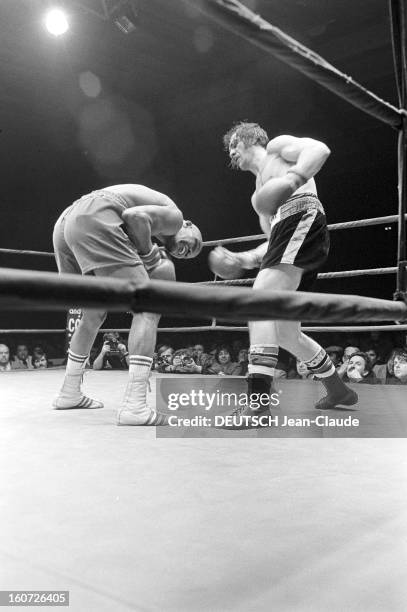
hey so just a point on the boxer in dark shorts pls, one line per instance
(110, 232)
(299, 236)
(292, 217)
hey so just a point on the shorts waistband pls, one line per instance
(298, 203)
(107, 195)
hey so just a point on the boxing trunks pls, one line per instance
(299, 236)
(90, 234)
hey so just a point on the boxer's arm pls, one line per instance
(252, 259)
(152, 214)
(307, 157)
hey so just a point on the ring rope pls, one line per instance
(209, 243)
(236, 17)
(25, 252)
(331, 227)
(243, 282)
(202, 328)
(51, 291)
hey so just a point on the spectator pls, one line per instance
(358, 370)
(302, 371)
(243, 360)
(183, 363)
(372, 356)
(38, 351)
(399, 368)
(201, 358)
(381, 343)
(114, 354)
(22, 359)
(223, 363)
(335, 354)
(379, 369)
(40, 360)
(163, 358)
(5, 364)
(347, 353)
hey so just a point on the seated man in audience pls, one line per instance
(163, 358)
(40, 360)
(335, 354)
(347, 353)
(5, 364)
(359, 370)
(22, 359)
(114, 354)
(379, 369)
(399, 368)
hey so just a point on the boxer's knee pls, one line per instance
(93, 318)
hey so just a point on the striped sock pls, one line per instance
(135, 395)
(263, 359)
(321, 365)
(75, 363)
(73, 375)
(140, 366)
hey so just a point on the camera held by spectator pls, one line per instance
(113, 355)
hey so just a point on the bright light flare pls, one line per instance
(56, 22)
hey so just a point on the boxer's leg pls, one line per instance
(264, 338)
(142, 339)
(70, 395)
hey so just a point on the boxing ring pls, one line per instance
(129, 521)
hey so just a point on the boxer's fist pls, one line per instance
(164, 271)
(151, 259)
(275, 192)
(224, 263)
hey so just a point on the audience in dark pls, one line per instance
(369, 358)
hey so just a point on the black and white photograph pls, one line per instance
(203, 305)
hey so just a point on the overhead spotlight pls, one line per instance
(56, 22)
(125, 16)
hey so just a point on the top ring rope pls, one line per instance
(331, 227)
(236, 17)
(51, 291)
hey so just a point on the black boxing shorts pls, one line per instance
(299, 236)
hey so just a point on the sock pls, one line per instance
(263, 359)
(139, 366)
(73, 375)
(324, 370)
(321, 365)
(135, 395)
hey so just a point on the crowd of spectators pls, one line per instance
(22, 358)
(372, 358)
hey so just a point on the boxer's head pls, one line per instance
(186, 243)
(248, 134)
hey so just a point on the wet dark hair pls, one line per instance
(249, 133)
